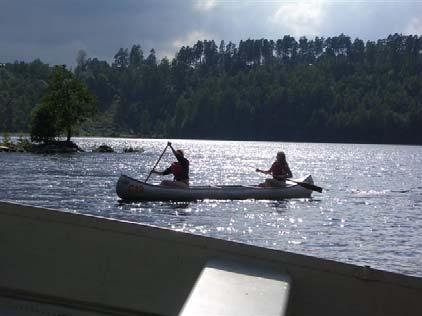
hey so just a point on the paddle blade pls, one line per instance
(308, 186)
(311, 187)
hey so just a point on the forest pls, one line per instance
(334, 89)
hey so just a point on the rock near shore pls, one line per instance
(104, 149)
(56, 147)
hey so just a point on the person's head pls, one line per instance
(180, 153)
(281, 156)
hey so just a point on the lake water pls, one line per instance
(370, 212)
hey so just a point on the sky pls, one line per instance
(55, 30)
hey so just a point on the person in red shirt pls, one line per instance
(179, 169)
(280, 171)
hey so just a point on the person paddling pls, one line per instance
(280, 171)
(179, 169)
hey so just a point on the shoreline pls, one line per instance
(227, 140)
(233, 139)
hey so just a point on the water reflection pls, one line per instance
(146, 204)
(280, 206)
(179, 205)
(156, 213)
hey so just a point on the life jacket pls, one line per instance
(176, 169)
(278, 169)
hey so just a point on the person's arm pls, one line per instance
(162, 173)
(289, 172)
(269, 171)
(182, 160)
(172, 149)
(263, 171)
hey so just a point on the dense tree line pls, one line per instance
(21, 88)
(324, 89)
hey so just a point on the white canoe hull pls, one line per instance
(130, 189)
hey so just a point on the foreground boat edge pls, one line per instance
(110, 266)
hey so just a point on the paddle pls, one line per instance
(153, 168)
(303, 184)
(307, 185)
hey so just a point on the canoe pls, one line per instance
(130, 189)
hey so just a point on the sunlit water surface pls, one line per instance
(369, 214)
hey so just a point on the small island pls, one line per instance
(66, 103)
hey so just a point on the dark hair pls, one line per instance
(282, 156)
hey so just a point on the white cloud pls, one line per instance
(414, 27)
(205, 5)
(191, 39)
(300, 18)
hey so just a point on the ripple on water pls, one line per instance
(369, 212)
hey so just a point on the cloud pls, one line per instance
(414, 27)
(190, 39)
(54, 30)
(300, 18)
(205, 5)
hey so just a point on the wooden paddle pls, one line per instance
(303, 184)
(153, 168)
